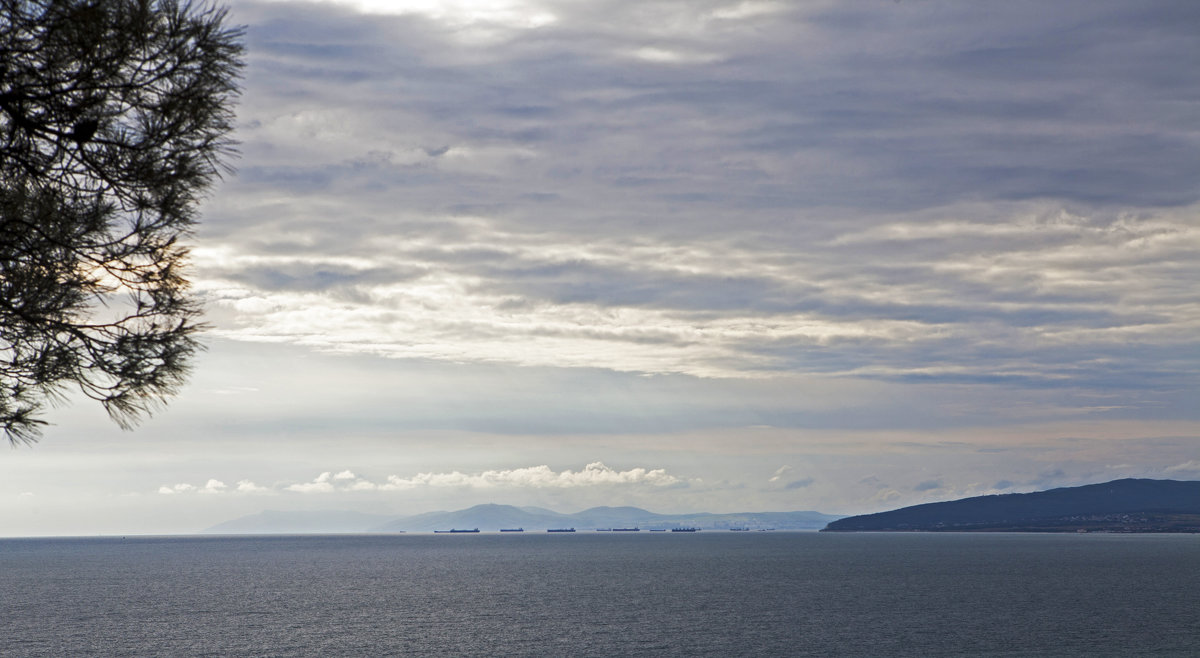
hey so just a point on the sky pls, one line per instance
(689, 256)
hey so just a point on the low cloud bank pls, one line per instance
(531, 477)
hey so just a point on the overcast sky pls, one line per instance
(689, 256)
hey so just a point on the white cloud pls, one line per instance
(780, 472)
(213, 487)
(319, 484)
(534, 477)
(594, 474)
(1190, 466)
(177, 489)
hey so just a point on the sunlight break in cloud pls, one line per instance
(508, 13)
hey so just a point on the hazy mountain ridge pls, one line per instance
(493, 517)
(1128, 505)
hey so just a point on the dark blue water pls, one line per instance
(718, 594)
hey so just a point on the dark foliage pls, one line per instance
(115, 117)
(1133, 504)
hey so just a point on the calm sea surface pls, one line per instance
(587, 594)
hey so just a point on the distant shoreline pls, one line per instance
(1129, 506)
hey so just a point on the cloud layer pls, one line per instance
(900, 192)
(532, 477)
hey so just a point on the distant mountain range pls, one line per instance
(1129, 505)
(492, 518)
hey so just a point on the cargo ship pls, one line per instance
(626, 529)
(561, 530)
(454, 531)
(685, 529)
(512, 529)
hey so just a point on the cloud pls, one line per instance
(784, 471)
(213, 487)
(539, 477)
(533, 477)
(323, 483)
(885, 495)
(348, 481)
(246, 486)
(666, 188)
(736, 313)
(929, 485)
(328, 482)
(177, 489)
(1190, 466)
(874, 482)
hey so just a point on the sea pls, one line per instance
(603, 594)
